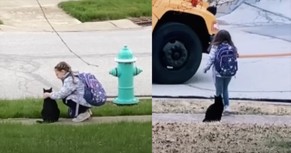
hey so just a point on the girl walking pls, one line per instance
(221, 81)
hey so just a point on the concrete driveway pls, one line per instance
(26, 15)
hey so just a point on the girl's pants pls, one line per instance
(73, 108)
(221, 85)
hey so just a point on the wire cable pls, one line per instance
(67, 46)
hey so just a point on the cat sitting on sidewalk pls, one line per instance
(50, 112)
(214, 111)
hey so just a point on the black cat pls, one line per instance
(50, 111)
(214, 111)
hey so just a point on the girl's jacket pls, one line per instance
(71, 90)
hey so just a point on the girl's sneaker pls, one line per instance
(227, 109)
(82, 117)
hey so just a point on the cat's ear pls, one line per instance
(43, 89)
(51, 89)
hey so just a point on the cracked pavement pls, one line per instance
(27, 59)
(29, 49)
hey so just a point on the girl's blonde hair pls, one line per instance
(66, 67)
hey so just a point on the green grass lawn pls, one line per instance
(102, 138)
(99, 10)
(31, 108)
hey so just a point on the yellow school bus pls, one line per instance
(182, 31)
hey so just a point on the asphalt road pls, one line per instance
(27, 59)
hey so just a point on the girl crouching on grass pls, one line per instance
(71, 92)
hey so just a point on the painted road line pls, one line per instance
(264, 55)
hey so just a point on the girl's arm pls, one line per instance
(211, 58)
(68, 88)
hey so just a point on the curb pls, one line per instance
(92, 120)
(81, 27)
(234, 98)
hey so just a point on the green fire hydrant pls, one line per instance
(125, 72)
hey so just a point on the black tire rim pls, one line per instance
(174, 55)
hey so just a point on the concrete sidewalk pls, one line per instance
(26, 15)
(93, 120)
